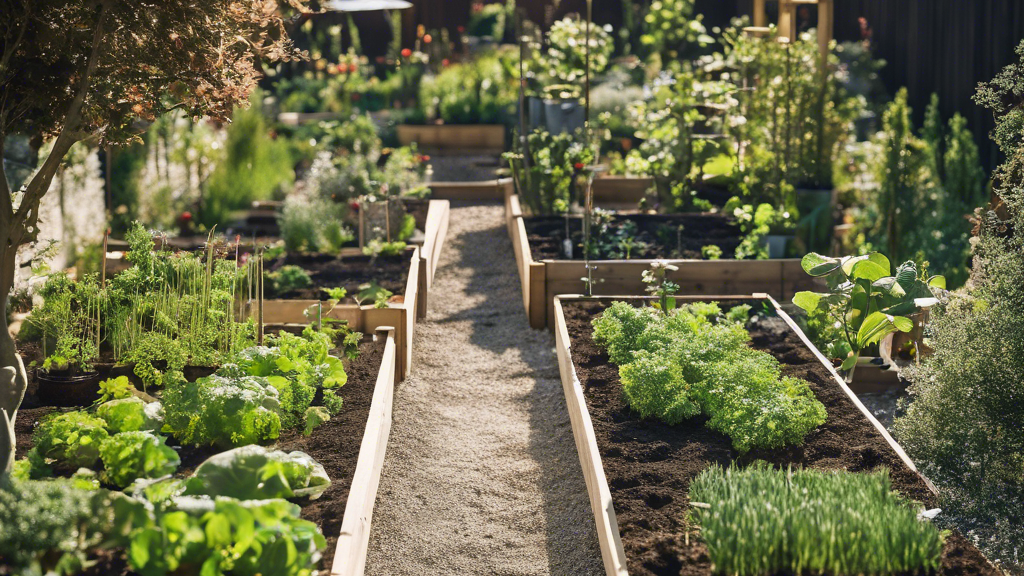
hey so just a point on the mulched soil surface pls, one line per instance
(649, 464)
(334, 444)
(660, 232)
(345, 272)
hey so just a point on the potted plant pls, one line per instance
(68, 321)
(563, 69)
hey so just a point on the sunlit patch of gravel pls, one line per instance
(481, 474)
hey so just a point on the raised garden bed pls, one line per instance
(620, 192)
(497, 189)
(400, 275)
(638, 471)
(351, 447)
(454, 138)
(544, 277)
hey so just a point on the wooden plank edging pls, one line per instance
(436, 230)
(496, 189)
(601, 503)
(350, 554)
(612, 554)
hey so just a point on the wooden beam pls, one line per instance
(350, 554)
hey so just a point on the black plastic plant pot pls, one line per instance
(66, 389)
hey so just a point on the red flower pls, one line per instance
(406, 52)
(461, 29)
(186, 216)
(381, 59)
(445, 62)
(424, 158)
(354, 206)
(578, 165)
(427, 39)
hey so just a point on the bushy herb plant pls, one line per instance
(547, 169)
(130, 415)
(314, 224)
(51, 527)
(759, 520)
(481, 91)
(689, 360)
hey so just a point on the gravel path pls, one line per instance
(481, 474)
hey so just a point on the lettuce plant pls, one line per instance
(255, 473)
(131, 414)
(129, 456)
(297, 367)
(70, 440)
(222, 411)
(226, 536)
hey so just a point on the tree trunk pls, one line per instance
(13, 380)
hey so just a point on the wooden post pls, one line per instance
(787, 19)
(760, 17)
(826, 19)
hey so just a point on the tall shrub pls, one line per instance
(965, 426)
(255, 167)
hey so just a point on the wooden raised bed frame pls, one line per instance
(620, 192)
(544, 280)
(365, 319)
(498, 189)
(350, 554)
(454, 138)
(612, 553)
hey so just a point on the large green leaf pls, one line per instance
(817, 265)
(868, 270)
(807, 300)
(906, 275)
(878, 325)
(881, 260)
(937, 282)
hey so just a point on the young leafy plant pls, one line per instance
(255, 473)
(865, 300)
(128, 456)
(222, 411)
(70, 440)
(131, 415)
(692, 359)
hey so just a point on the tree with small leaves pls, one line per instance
(99, 70)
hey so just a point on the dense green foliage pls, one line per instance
(48, 527)
(297, 367)
(255, 167)
(222, 411)
(693, 360)
(255, 473)
(965, 425)
(547, 169)
(130, 415)
(70, 440)
(482, 91)
(128, 456)
(766, 521)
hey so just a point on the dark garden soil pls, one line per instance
(649, 464)
(657, 236)
(334, 444)
(348, 272)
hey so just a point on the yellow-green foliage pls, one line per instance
(693, 360)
